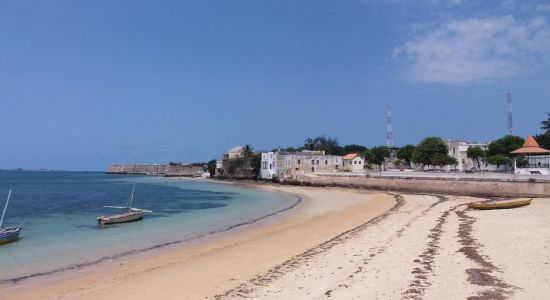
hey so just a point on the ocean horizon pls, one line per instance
(60, 208)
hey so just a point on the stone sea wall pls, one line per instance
(190, 170)
(458, 186)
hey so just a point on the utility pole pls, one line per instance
(389, 132)
(509, 113)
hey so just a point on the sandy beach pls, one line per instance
(337, 243)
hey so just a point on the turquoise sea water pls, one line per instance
(60, 209)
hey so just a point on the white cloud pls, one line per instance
(476, 49)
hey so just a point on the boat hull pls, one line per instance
(122, 218)
(499, 205)
(9, 235)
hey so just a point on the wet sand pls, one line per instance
(339, 244)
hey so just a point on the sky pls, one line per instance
(84, 84)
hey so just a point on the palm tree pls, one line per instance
(545, 125)
(248, 151)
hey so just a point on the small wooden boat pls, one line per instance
(9, 234)
(133, 214)
(499, 204)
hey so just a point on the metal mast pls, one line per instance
(509, 113)
(389, 132)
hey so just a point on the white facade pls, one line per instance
(353, 163)
(269, 167)
(458, 150)
(283, 164)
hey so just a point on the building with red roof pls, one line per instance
(535, 160)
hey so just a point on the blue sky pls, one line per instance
(87, 83)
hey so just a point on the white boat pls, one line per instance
(133, 214)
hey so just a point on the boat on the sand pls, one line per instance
(499, 204)
(133, 214)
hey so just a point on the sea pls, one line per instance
(59, 211)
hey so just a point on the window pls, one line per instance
(355, 162)
(312, 162)
(264, 164)
(270, 166)
(359, 162)
(336, 166)
(326, 162)
(298, 162)
(317, 161)
(313, 169)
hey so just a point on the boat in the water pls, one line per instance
(499, 204)
(9, 234)
(133, 214)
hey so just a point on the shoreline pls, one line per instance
(34, 288)
(134, 252)
(343, 244)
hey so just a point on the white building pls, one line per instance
(353, 162)
(286, 164)
(458, 150)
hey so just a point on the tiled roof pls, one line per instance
(530, 147)
(350, 156)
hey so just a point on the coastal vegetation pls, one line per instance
(432, 151)
(544, 137)
(211, 167)
(405, 153)
(429, 152)
(477, 154)
(498, 152)
(377, 155)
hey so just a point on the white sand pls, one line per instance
(341, 244)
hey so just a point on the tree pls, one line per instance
(405, 153)
(248, 151)
(236, 164)
(378, 155)
(500, 160)
(443, 159)
(321, 143)
(544, 138)
(369, 157)
(428, 149)
(476, 154)
(498, 152)
(353, 149)
(545, 125)
(505, 145)
(256, 163)
(211, 167)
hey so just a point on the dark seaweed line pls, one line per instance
(398, 234)
(144, 250)
(426, 259)
(401, 230)
(261, 280)
(480, 276)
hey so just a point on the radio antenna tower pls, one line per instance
(389, 133)
(509, 113)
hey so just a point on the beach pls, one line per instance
(336, 243)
